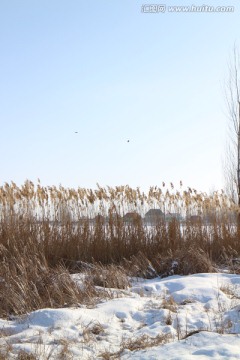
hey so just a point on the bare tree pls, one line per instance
(232, 161)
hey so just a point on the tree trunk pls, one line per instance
(238, 168)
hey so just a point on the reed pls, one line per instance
(50, 230)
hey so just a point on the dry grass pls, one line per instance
(144, 342)
(230, 291)
(28, 283)
(109, 276)
(48, 232)
(92, 330)
(65, 352)
(134, 344)
(23, 355)
(169, 303)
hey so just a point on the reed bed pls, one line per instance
(45, 231)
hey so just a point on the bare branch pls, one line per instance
(232, 155)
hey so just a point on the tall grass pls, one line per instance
(44, 229)
(87, 225)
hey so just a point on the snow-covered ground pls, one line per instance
(178, 317)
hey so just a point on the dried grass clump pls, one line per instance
(144, 342)
(92, 330)
(110, 276)
(170, 304)
(28, 283)
(23, 355)
(192, 261)
(182, 262)
(135, 344)
(185, 261)
(140, 266)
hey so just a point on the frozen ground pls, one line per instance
(179, 317)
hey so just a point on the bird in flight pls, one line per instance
(128, 141)
(76, 132)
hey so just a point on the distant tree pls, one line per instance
(232, 159)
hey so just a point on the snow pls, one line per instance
(178, 317)
(200, 346)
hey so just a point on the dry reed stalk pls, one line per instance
(42, 228)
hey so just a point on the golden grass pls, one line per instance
(47, 232)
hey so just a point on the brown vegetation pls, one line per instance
(48, 232)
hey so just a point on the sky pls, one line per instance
(113, 73)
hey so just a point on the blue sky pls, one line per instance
(113, 73)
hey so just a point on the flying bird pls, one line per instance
(128, 141)
(76, 132)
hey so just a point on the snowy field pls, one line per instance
(178, 317)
